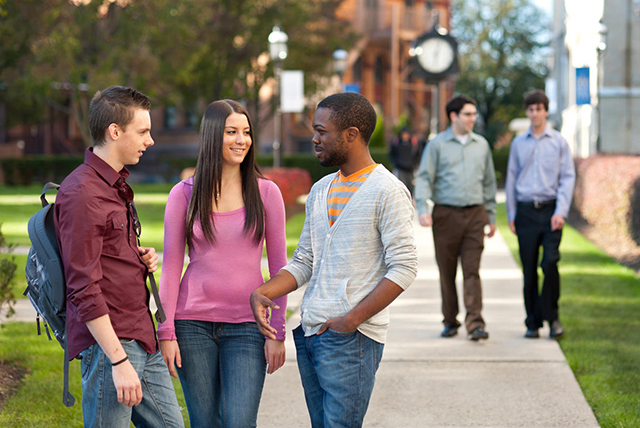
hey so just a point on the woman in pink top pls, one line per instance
(224, 214)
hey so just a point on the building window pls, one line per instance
(357, 70)
(409, 3)
(379, 71)
(371, 4)
(192, 118)
(170, 117)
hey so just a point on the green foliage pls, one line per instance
(7, 273)
(19, 283)
(38, 169)
(500, 56)
(500, 162)
(599, 306)
(58, 53)
(377, 138)
(22, 24)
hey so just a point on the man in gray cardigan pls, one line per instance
(357, 253)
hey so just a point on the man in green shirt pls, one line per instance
(456, 194)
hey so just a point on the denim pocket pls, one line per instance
(85, 362)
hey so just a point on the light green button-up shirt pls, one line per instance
(455, 174)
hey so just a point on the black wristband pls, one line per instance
(120, 362)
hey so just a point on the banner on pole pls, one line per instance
(292, 91)
(583, 95)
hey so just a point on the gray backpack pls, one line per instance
(46, 286)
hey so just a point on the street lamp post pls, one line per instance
(340, 64)
(602, 45)
(278, 51)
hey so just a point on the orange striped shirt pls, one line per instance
(342, 189)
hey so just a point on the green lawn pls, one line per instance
(599, 310)
(18, 204)
(38, 402)
(43, 359)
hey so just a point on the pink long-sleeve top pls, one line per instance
(219, 278)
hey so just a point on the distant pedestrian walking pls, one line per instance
(539, 188)
(456, 194)
(404, 155)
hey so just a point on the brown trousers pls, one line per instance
(459, 232)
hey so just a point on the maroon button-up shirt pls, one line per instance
(103, 269)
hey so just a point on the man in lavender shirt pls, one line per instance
(539, 188)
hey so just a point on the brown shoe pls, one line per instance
(477, 334)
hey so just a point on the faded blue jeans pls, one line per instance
(100, 408)
(222, 374)
(338, 373)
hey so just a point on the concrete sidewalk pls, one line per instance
(427, 381)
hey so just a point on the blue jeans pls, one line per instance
(338, 372)
(222, 374)
(100, 407)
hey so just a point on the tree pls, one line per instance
(22, 24)
(222, 46)
(187, 52)
(500, 44)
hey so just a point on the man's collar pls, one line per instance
(104, 170)
(450, 135)
(547, 131)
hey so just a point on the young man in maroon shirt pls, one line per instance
(109, 325)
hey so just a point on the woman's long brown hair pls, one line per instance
(207, 179)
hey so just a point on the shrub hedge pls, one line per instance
(607, 195)
(500, 161)
(40, 169)
(293, 182)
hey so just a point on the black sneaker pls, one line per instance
(555, 329)
(449, 331)
(478, 333)
(532, 333)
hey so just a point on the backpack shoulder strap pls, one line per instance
(160, 315)
(49, 186)
(67, 399)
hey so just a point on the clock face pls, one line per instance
(436, 55)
